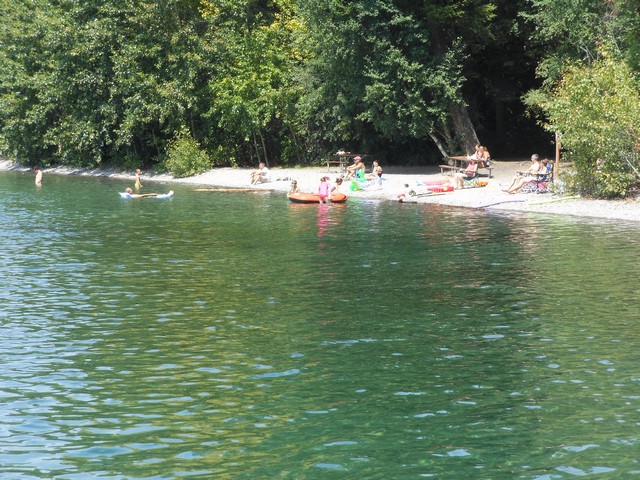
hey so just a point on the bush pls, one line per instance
(185, 158)
(596, 109)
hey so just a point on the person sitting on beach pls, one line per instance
(545, 167)
(466, 174)
(336, 186)
(376, 172)
(409, 190)
(523, 177)
(294, 188)
(143, 195)
(355, 170)
(38, 176)
(477, 154)
(351, 169)
(261, 175)
(324, 190)
(485, 157)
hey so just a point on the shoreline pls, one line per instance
(394, 179)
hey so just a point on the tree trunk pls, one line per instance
(264, 148)
(500, 126)
(439, 145)
(295, 140)
(255, 145)
(465, 133)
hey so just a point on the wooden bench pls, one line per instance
(343, 160)
(488, 169)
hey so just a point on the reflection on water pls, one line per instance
(221, 335)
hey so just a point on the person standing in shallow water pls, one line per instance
(38, 176)
(294, 188)
(138, 185)
(324, 190)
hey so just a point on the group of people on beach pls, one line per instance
(356, 171)
(481, 156)
(458, 179)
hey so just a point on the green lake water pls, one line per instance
(238, 336)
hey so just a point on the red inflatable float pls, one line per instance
(436, 181)
(440, 188)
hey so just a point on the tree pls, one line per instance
(105, 82)
(590, 91)
(389, 70)
(596, 108)
(253, 86)
(26, 106)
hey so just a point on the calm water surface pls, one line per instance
(235, 335)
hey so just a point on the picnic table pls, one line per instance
(342, 160)
(458, 162)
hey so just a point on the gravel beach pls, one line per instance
(394, 180)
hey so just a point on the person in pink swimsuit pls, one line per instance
(324, 190)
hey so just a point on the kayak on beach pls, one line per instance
(315, 198)
(129, 195)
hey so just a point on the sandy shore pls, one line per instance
(395, 178)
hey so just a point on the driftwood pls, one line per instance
(254, 190)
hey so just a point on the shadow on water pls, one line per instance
(237, 335)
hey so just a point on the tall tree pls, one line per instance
(254, 85)
(391, 70)
(27, 36)
(590, 91)
(573, 31)
(107, 81)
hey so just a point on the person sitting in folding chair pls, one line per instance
(540, 184)
(467, 174)
(523, 177)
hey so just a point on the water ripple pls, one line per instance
(234, 337)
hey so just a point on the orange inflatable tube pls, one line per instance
(315, 198)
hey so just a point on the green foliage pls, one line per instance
(95, 83)
(386, 70)
(574, 30)
(185, 158)
(112, 83)
(590, 89)
(257, 52)
(26, 101)
(573, 27)
(596, 108)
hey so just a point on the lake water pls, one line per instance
(235, 335)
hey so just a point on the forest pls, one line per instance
(187, 85)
